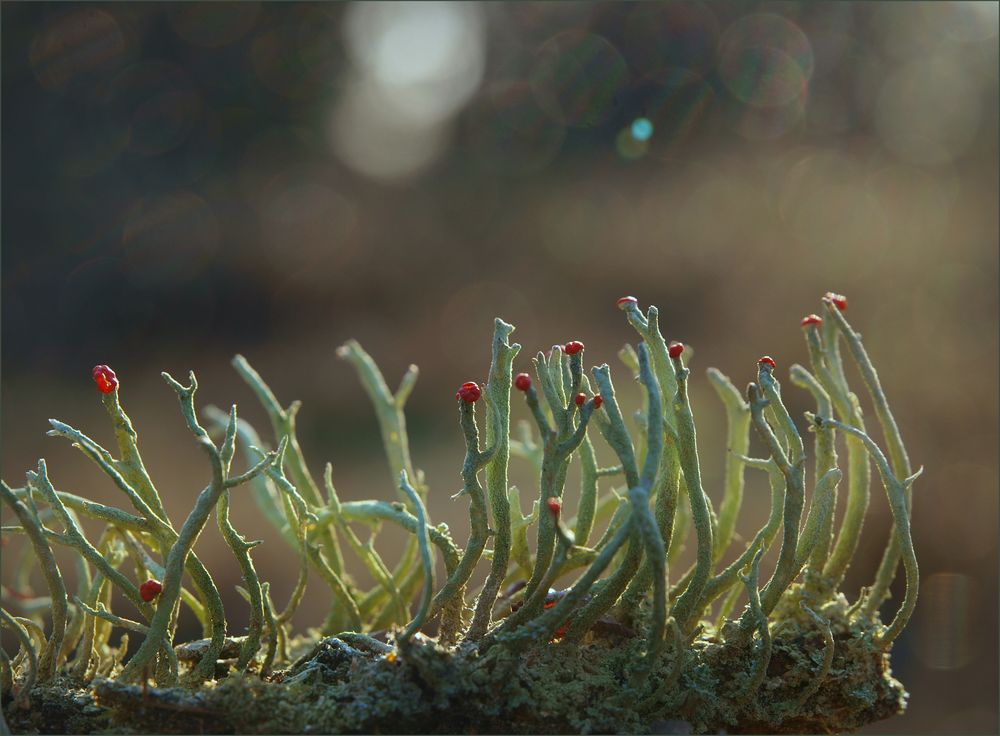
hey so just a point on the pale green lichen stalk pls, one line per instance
(418, 651)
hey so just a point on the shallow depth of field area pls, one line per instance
(186, 182)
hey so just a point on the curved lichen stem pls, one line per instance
(426, 563)
(558, 446)
(341, 592)
(162, 531)
(738, 443)
(21, 699)
(240, 548)
(826, 458)
(451, 597)
(498, 387)
(896, 491)
(612, 426)
(283, 425)
(53, 579)
(688, 606)
(370, 512)
(828, 370)
(181, 548)
(791, 466)
(828, 649)
(728, 577)
(392, 426)
(74, 535)
(756, 612)
(365, 552)
(898, 458)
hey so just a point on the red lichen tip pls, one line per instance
(105, 379)
(768, 360)
(573, 347)
(580, 398)
(149, 590)
(522, 381)
(812, 319)
(555, 506)
(598, 401)
(675, 349)
(838, 300)
(627, 301)
(469, 392)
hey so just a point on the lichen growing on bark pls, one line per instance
(629, 645)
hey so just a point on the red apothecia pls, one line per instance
(598, 401)
(812, 319)
(469, 392)
(555, 506)
(522, 381)
(580, 398)
(105, 379)
(839, 300)
(767, 359)
(675, 349)
(149, 590)
(573, 347)
(627, 301)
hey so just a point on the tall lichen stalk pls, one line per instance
(679, 624)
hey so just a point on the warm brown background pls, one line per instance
(182, 182)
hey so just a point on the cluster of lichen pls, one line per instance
(674, 662)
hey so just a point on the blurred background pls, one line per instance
(182, 182)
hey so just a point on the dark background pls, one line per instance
(182, 182)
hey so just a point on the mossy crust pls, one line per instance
(559, 688)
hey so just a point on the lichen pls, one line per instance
(627, 647)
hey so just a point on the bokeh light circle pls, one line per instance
(675, 103)
(928, 111)
(427, 57)
(578, 78)
(765, 60)
(82, 41)
(641, 129)
(381, 146)
(161, 104)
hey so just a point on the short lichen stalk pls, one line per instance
(615, 649)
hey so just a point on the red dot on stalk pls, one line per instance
(598, 401)
(812, 319)
(522, 381)
(675, 349)
(105, 379)
(149, 590)
(627, 301)
(555, 506)
(573, 347)
(469, 392)
(580, 398)
(838, 300)
(767, 359)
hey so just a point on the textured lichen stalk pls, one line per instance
(622, 617)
